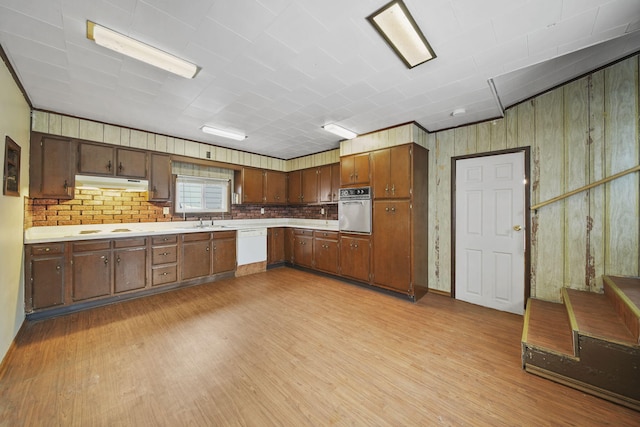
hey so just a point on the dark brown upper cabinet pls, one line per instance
(99, 159)
(51, 167)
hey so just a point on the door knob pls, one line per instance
(517, 228)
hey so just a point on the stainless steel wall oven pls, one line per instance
(354, 210)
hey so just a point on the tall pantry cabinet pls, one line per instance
(399, 186)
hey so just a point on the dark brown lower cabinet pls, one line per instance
(45, 276)
(303, 248)
(391, 242)
(59, 275)
(130, 266)
(275, 245)
(354, 256)
(91, 271)
(326, 251)
(224, 251)
(196, 256)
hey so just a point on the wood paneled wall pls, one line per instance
(578, 133)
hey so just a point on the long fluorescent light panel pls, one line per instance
(340, 131)
(396, 25)
(223, 133)
(142, 52)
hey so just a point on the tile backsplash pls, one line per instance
(113, 207)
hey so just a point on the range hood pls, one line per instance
(111, 183)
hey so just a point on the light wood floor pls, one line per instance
(284, 348)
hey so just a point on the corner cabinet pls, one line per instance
(400, 218)
(261, 186)
(51, 167)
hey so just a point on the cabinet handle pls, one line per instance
(47, 249)
(165, 273)
(65, 185)
(155, 190)
(118, 260)
(120, 167)
(109, 166)
(386, 188)
(393, 189)
(355, 246)
(386, 209)
(207, 249)
(58, 267)
(164, 253)
(106, 260)
(393, 209)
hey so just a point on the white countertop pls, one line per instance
(63, 233)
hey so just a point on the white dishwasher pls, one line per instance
(251, 245)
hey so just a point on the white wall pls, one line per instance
(15, 123)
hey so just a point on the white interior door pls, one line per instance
(490, 236)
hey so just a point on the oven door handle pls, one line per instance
(352, 203)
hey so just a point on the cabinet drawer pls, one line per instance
(91, 246)
(302, 232)
(130, 243)
(224, 235)
(47, 249)
(164, 254)
(195, 237)
(163, 240)
(329, 235)
(162, 275)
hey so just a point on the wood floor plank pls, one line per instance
(284, 347)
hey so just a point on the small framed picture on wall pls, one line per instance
(11, 177)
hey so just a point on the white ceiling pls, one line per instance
(278, 70)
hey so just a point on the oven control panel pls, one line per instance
(356, 193)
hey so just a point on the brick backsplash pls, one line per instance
(113, 207)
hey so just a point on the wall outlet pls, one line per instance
(208, 154)
(165, 211)
(321, 211)
(262, 211)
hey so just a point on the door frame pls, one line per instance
(527, 219)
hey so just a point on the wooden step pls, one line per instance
(624, 295)
(596, 317)
(547, 327)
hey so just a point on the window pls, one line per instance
(202, 195)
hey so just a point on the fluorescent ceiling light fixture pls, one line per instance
(223, 133)
(396, 25)
(142, 52)
(340, 131)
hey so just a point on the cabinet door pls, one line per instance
(289, 238)
(131, 163)
(47, 282)
(224, 253)
(51, 168)
(91, 275)
(275, 187)
(346, 170)
(252, 185)
(391, 244)
(276, 246)
(335, 182)
(310, 185)
(400, 172)
(130, 269)
(326, 255)
(361, 169)
(303, 251)
(325, 189)
(354, 257)
(295, 188)
(95, 159)
(380, 165)
(196, 259)
(160, 178)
